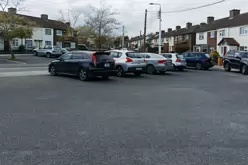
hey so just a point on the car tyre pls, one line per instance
(150, 69)
(83, 75)
(244, 69)
(105, 77)
(53, 71)
(120, 71)
(35, 53)
(48, 55)
(227, 67)
(198, 66)
(137, 74)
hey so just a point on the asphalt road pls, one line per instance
(188, 118)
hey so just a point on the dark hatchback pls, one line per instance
(198, 60)
(84, 64)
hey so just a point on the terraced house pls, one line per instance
(229, 33)
(47, 32)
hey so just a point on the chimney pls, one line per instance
(68, 24)
(44, 17)
(178, 27)
(169, 29)
(12, 10)
(188, 25)
(234, 12)
(202, 24)
(210, 19)
(162, 31)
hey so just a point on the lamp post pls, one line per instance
(160, 20)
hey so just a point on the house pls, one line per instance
(185, 38)
(137, 42)
(47, 32)
(224, 34)
(168, 41)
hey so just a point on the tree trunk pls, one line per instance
(10, 49)
(99, 37)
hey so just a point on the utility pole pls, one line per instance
(123, 37)
(159, 17)
(145, 31)
(140, 40)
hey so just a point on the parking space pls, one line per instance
(178, 117)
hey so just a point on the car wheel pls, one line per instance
(53, 71)
(48, 55)
(105, 77)
(150, 69)
(83, 75)
(120, 71)
(35, 53)
(137, 74)
(227, 67)
(244, 69)
(198, 66)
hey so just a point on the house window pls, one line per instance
(48, 43)
(244, 31)
(243, 48)
(15, 42)
(167, 39)
(176, 38)
(59, 32)
(222, 33)
(59, 44)
(212, 34)
(201, 36)
(180, 38)
(187, 37)
(29, 44)
(211, 49)
(48, 32)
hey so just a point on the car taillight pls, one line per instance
(94, 59)
(206, 60)
(144, 60)
(178, 60)
(161, 61)
(129, 60)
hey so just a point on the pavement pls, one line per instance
(181, 118)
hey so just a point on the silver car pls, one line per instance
(128, 62)
(156, 63)
(49, 51)
(179, 62)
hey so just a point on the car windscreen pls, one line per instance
(207, 55)
(244, 54)
(134, 55)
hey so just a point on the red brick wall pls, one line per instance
(212, 41)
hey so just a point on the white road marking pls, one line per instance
(234, 75)
(23, 73)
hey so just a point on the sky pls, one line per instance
(132, 12)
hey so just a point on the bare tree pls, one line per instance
(102, 20)
(12, 25)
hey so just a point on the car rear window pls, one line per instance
(244, 54)
(207, 55)
(134, 55)
(103, 57)
(179, 56)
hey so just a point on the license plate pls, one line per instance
(138, 68)
(107, 65)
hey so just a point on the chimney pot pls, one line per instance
(234, 12)
(12, 10)
(188, 25)
(210, 19)
(178, 27)
(169, 29)
(163, 31)
(44, 17)
(202, 24)
(157, 32)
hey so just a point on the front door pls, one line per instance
(225, 51)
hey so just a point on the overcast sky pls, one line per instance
(132, 11)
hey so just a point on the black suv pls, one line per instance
(236, 60)
(84, 64)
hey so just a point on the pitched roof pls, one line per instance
(229, 41)
(238, 20)
(45, 23)
(189, 30)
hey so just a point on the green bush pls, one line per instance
(215, 55)
(21, 48)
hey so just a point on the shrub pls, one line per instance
(215, 55)
(21, 48)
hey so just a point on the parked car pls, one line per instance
(178, 61)
(156, 63)
(84, 64)
(236, 60)
(198, 60)
(128, 62)
(48, 51)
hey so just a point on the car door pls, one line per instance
(236, 61)
(230, 58)
(73, 64)
(188, 59)
(62, 66)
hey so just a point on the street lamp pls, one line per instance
(159, 17)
